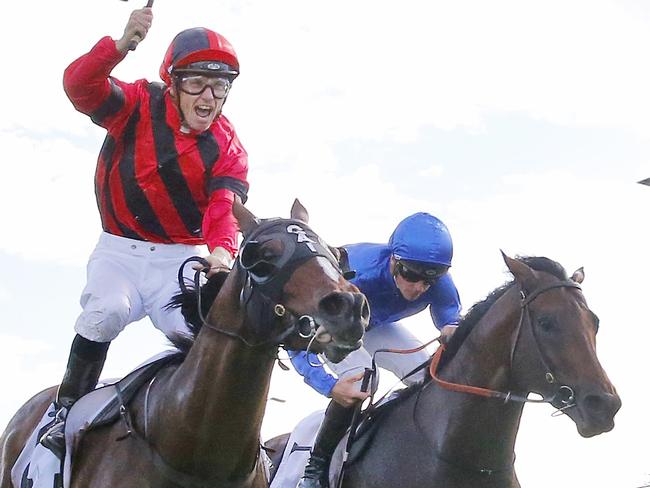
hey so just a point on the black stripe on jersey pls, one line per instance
(135, 198)
(106, 155)
(169, 168)
(229, 183)
(209, 151)
(111, 105)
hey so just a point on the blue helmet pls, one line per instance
(423, 238)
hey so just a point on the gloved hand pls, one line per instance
(219, 260)
(446, 333)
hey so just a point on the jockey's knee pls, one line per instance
(103, 318)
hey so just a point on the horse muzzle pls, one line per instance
(337, 352)
(343, 317)
(594, 412)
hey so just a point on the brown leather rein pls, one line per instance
(564, 393)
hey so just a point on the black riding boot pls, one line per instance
(85, 364)
(335, 424)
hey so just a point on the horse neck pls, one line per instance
(209, 415)
(471, 430)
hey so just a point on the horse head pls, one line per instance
(291, 289)
(554, 348)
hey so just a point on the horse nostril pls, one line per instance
(602, 404)
(365, 308)
(335, 304)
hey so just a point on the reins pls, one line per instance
(564, 393)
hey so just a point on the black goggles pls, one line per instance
(195, 84)
(430, 276)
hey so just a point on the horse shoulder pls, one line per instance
(390, 447)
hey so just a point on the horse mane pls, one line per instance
(188, 302)
(479, 309)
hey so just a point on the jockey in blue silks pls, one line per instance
(399, 279)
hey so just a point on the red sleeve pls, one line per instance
(228, 178)
(90, 88)
(219, 225)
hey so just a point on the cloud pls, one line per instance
(6, 294)
(374, 74)
(433, 171)
(47, 197)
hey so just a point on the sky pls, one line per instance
(523, 125)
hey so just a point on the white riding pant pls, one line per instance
(129, 279)
(391, 335)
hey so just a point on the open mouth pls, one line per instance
(203, 111)
(324, 337)
(334, 350)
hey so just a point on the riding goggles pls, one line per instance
(429, 276)
(196, 84)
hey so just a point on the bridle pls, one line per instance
(261, 294)
(264, 279)
(563, 393)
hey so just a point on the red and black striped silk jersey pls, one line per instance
(153, 181)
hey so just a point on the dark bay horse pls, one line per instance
(458, 430)
(198, 424)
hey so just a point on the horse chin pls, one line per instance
(591, 430)
(336, 352)
(588, 426)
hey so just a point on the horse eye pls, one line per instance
(547, 324)
(269, 254)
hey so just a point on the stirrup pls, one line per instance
(313, 483)
(54, 438)
(316, 473)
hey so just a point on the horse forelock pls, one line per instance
(540, 263)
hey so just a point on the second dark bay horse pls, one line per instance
(198, 424)
(458, 429)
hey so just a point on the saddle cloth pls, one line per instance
(38, 467)
(36, 463)
(297, 451)
(296, 454)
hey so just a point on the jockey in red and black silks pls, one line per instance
(167, 175)
(156, 179)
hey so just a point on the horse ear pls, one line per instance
(245, 218)
(524, 274)
(298, 212)
(578, 275)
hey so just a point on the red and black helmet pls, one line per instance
(199, 50)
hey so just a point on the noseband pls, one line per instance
(264, 279)
(563, 393)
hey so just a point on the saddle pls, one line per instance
(290, 454)
(38, 467)
(371, 420)
(122, 392)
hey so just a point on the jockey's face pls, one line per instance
(200, 110)
(408, 289)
